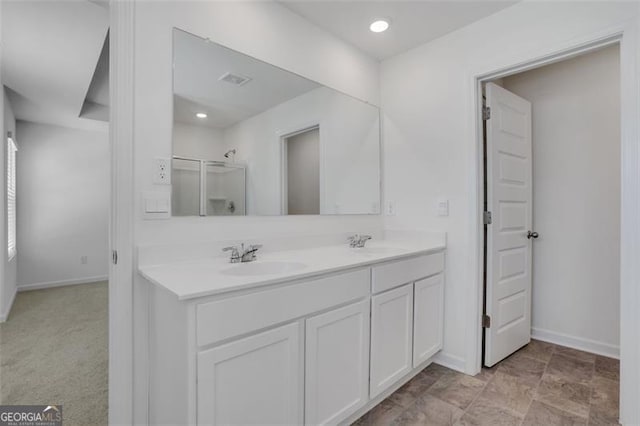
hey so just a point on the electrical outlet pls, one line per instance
(161, 171)
(83, 260)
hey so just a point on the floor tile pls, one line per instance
(576, 354)
(508, 391)
(565, 395)
(486, 373)
(435, 370)
(407, 394)
(489, 413)
(541, 414)
(457, 389)
(607, 368)
(527, 369)
(572, 369)
(380, 415)
(428, 410)
(605, 396)
(536, 349)
(600, 418)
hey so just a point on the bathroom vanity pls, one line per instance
(308, 336)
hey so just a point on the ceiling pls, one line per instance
(50, 54)
(198, 66)
(412, 22)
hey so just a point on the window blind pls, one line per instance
(11, 197)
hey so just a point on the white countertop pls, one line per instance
(206, 277)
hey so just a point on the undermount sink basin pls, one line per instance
(263, 268)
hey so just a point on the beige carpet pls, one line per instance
(54, 350)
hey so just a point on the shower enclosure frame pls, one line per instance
(203, 180)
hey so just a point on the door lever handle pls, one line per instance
(531, 235)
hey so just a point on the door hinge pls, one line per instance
(486, 218)
(114, 257)
(486, 112)
(486, 321)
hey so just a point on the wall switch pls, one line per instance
(83, 260)
(390, 208)
(161, 171)
(443, 207)
(156, 205)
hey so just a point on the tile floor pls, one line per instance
(541, 384)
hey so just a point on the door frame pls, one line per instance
(626, 35)
(121, 213)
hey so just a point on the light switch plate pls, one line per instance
(156, 205)
(390, 208)
(443, 207)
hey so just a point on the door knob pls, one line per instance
(531, 235)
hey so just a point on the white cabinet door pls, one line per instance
(337, 364)
(254, 380)
(391, 337)
(428, 308)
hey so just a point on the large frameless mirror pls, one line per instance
(250, 138)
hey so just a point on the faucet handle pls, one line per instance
(235, 254)
(363, 239)
(353, 240)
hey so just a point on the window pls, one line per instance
(11, 197)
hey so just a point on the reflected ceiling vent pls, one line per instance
(236, 79)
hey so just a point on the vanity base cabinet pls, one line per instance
(254, 380)
(317, 351)
(391, 337)
(337, 364)
(428, 315)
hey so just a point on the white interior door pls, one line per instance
(509, 199)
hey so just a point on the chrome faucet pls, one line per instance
(243, 255)
(358, 240)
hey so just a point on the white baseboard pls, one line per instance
(450, 361)
(587, 345)
(50, 284)
(4, 314)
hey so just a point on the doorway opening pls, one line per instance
(301, 172)
(55, 208)
(552, 184)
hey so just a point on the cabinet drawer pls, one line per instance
(393, 274)
(222, 319)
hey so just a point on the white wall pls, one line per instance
(8, 268)
(199, 142)
(576, 193)
(63, 204)
(427, 102)
(349, 163)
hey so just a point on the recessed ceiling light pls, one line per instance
(379, 26)
(201, 115)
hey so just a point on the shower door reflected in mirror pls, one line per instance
(243, 115)
(207, 188)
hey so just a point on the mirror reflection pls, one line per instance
(252, 139)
